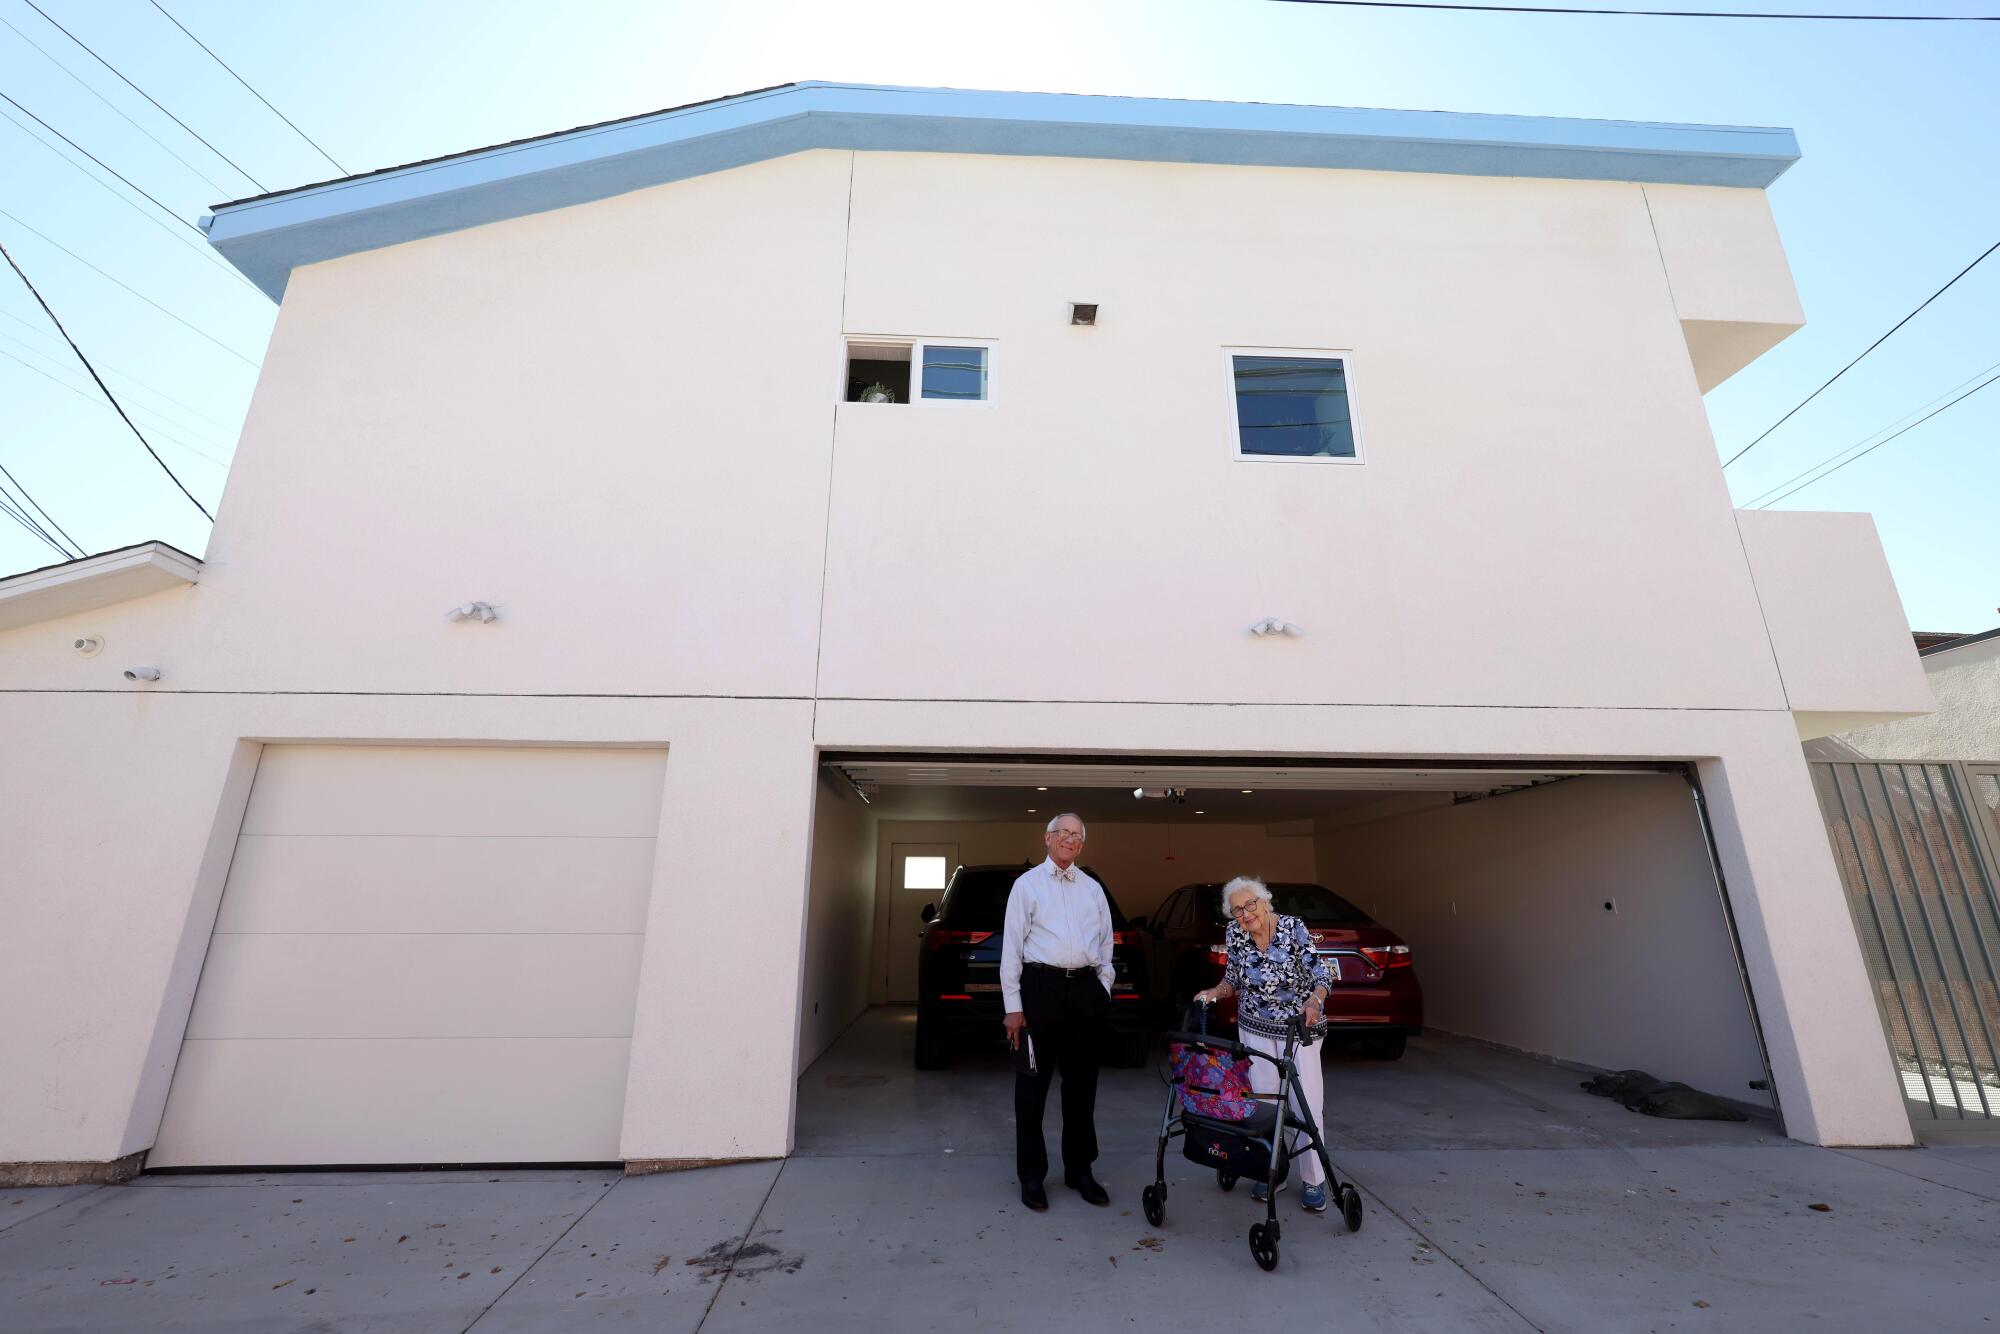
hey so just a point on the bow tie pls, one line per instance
(1067, 874)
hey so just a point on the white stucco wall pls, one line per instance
(1966, 725)
(1502, 903)
(619, 424)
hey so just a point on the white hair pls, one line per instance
(1242, 882)
(1067, 815)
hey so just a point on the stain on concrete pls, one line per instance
(736, 1258)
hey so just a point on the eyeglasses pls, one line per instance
(1068, 835)
(1247, 910)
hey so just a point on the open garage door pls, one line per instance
(1570, 911)
(422, 955)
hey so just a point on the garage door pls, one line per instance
(422, 955)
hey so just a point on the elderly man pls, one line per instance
(1055, 977)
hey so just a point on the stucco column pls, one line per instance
(1830, 1058)
(715, 1029)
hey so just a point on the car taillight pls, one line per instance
(1124, 937)
(1387, 956)
(938, 940)
(1219, 953)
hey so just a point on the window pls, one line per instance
(1292, 407)
(923, 872)
(917, 370)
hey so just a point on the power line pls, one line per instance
(1879, 443)
(101, 385)
(118, 110)
(77, 167)
(162, 432)
(1864, 352)
(100, 162)
(1769, 491)
(1654, 13)
(133, 290)
(78, 546)
(33, 528)
(125, 375)
(253, 92)
(143, 93)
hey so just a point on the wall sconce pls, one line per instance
(142, 673)
(473, 611)
(1271, 625)
(1083, 312)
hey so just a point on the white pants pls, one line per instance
(1310, 1090)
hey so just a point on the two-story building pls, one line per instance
(642, 533)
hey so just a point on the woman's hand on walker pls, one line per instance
(1313, 1013)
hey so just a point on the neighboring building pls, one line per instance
(1964, 673)
(1379, 468)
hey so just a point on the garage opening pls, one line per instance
(1565, 916)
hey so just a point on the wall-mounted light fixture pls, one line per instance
(1271, 625)
(473, 611)
(142, 673)
(89, 646)
(1082, 312)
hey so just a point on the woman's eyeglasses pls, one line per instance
(1248, 909)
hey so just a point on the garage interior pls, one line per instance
(1560, 916)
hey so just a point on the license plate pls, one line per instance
(1333, 966)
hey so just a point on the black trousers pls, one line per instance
(1068, 1018)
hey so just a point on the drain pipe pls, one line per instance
(1735, 942)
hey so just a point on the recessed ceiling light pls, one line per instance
(1031, 810)
(1248, 790)
(1201, 812)
(1041, 789)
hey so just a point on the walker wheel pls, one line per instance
(1225, 1178)
(1155, 1204)
(1350, 1207)
(1264, 1247)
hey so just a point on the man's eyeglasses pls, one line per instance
(1069, 835)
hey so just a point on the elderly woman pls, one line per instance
(1277, 979)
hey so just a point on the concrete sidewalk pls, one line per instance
(1542, 1209)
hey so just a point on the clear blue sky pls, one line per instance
(1899, 189)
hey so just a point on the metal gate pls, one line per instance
(1916, 846)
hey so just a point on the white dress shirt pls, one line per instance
(1062, 923)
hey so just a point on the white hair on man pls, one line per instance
(1241, 883)
(1067, 815)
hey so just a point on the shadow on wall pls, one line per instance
(1503, 902)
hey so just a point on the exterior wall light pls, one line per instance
(142, 673)
(1082, 312)
(473, 611)
(1271, 625)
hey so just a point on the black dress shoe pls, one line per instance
(1034, 1196)
(1088, 1188)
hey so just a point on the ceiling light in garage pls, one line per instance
(1041, 789)
(1248, 790)
(1201, 812)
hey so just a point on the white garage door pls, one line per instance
(423, 955)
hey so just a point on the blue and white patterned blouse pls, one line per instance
(1272, 986)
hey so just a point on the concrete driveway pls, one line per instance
(1500, 1197)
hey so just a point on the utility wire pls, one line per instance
(1864, 352)
(101, 385)
(120, 111)
(143, 93)
(76, 545)
(253, 92)
(83, 171)
(1874, 435)
(1879, 443)
(122, 374)
(161, 431)
(1654, 13)
(100, 162)
(133, 290)
(33, 528)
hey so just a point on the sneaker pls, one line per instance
(1262, 1191)
(1314, 1199)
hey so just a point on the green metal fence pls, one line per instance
(1916, 847)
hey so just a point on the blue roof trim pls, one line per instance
(267, 237)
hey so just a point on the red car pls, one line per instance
(1375, 998)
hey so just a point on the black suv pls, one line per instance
(958, 973)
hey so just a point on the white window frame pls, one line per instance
(917, 345)
(1345, 356)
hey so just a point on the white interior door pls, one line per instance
(917, 876)
(422, 955)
